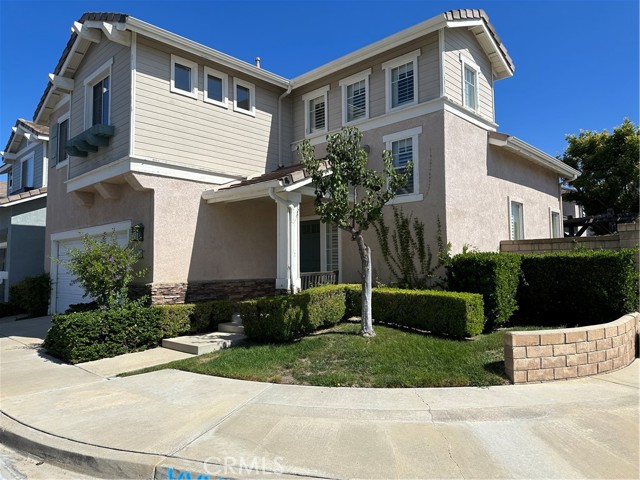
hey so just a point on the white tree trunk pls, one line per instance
(366, 329)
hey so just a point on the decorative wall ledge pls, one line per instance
(90, 140)
(543, 355)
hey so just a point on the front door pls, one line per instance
(310, 246)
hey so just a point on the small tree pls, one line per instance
(351, 196)
(104, 268)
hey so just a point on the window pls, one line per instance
(215, 87)
(517, 221)
(556, 229)
(404, 150)
(355, 97)
(184, 77)
(401, 76)
(27, 172)
(63, 136)
(332, 248)
(470, 74)
(10, 179)
(315, 107)
(98, 96)
(244, 97)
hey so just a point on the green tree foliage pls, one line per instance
(405, 251)
(351, 196)
(609, 166)
(104, 268)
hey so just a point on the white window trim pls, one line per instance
(344, 83)
(389, 66)
(10, 180)
(560, 225)
(414, 134)
(194, 77)
(323, 244)
(225, 87)
(511, 200)
(100, 74)
(62, 118)
(468, 63)
(320, 92)
(252, 97)
(31, 157)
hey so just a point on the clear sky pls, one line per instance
(576, 61)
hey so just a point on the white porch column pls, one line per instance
(288, 241)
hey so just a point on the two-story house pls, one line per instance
(192, 152)
(23, 207)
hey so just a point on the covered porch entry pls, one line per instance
(308, 252)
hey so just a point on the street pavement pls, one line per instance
(170, 423)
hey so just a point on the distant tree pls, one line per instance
(351, 196)
(609, 166)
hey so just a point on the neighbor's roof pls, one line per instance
(26, 126)
(23, 197)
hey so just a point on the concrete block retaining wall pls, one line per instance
(543, 355)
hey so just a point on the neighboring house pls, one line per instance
(194, 150)
(23, 204)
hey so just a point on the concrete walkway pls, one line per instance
(161, 424)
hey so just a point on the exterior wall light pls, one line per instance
(137, 233)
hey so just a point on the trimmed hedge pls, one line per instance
(286, 317)
(191, 318)
(584, 287)
(86, 336)
(458, 315)
(495, 276)
(32, 295)
(353, 299)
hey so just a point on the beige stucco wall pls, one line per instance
(480, 182)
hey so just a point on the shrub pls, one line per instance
(584, 287)
(207, 315)
(458, 315)
(284, 318)
(353, 299)
(82, 307)
(32, 295)
(174, 320)
(7, 309)
(493, 275)
(86, 336)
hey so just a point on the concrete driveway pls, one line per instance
(161, 424)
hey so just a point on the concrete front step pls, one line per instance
(204, 343)
(231, 327)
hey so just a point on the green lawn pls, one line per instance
(339, 357)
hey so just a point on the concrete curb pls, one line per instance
(79, 457)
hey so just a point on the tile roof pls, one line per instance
(21, 196)
(479, 14)
(289, 175)
(32, 127)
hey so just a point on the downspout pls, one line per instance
(289, 87)
(289, 205)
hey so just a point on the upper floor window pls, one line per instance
(470, 74)
(404, 150)
(517, 221)
(556, 225)
(315, 106)
(184, 76)
(28, 172)
(58, 141)
(355, 97)
(215, 87)
(98, 96)
(244, 100)
(402, 80)
(10, 179)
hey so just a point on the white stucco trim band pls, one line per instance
(529, 152)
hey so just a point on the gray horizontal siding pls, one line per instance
(118, 146)
(38, 158)
(176, 129)
(461, 41)
(428, 83)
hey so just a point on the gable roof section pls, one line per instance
(476, 20)
(19, 130)
(531, 153)
(77, 46)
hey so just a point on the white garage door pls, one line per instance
(66, 292)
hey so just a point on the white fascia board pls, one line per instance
(166, 37)
(489, 38)
(247, 192)
(4, 168)
(123, 226)
(9, 156)
(23, 200)
(536, 155)
(400, 38)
